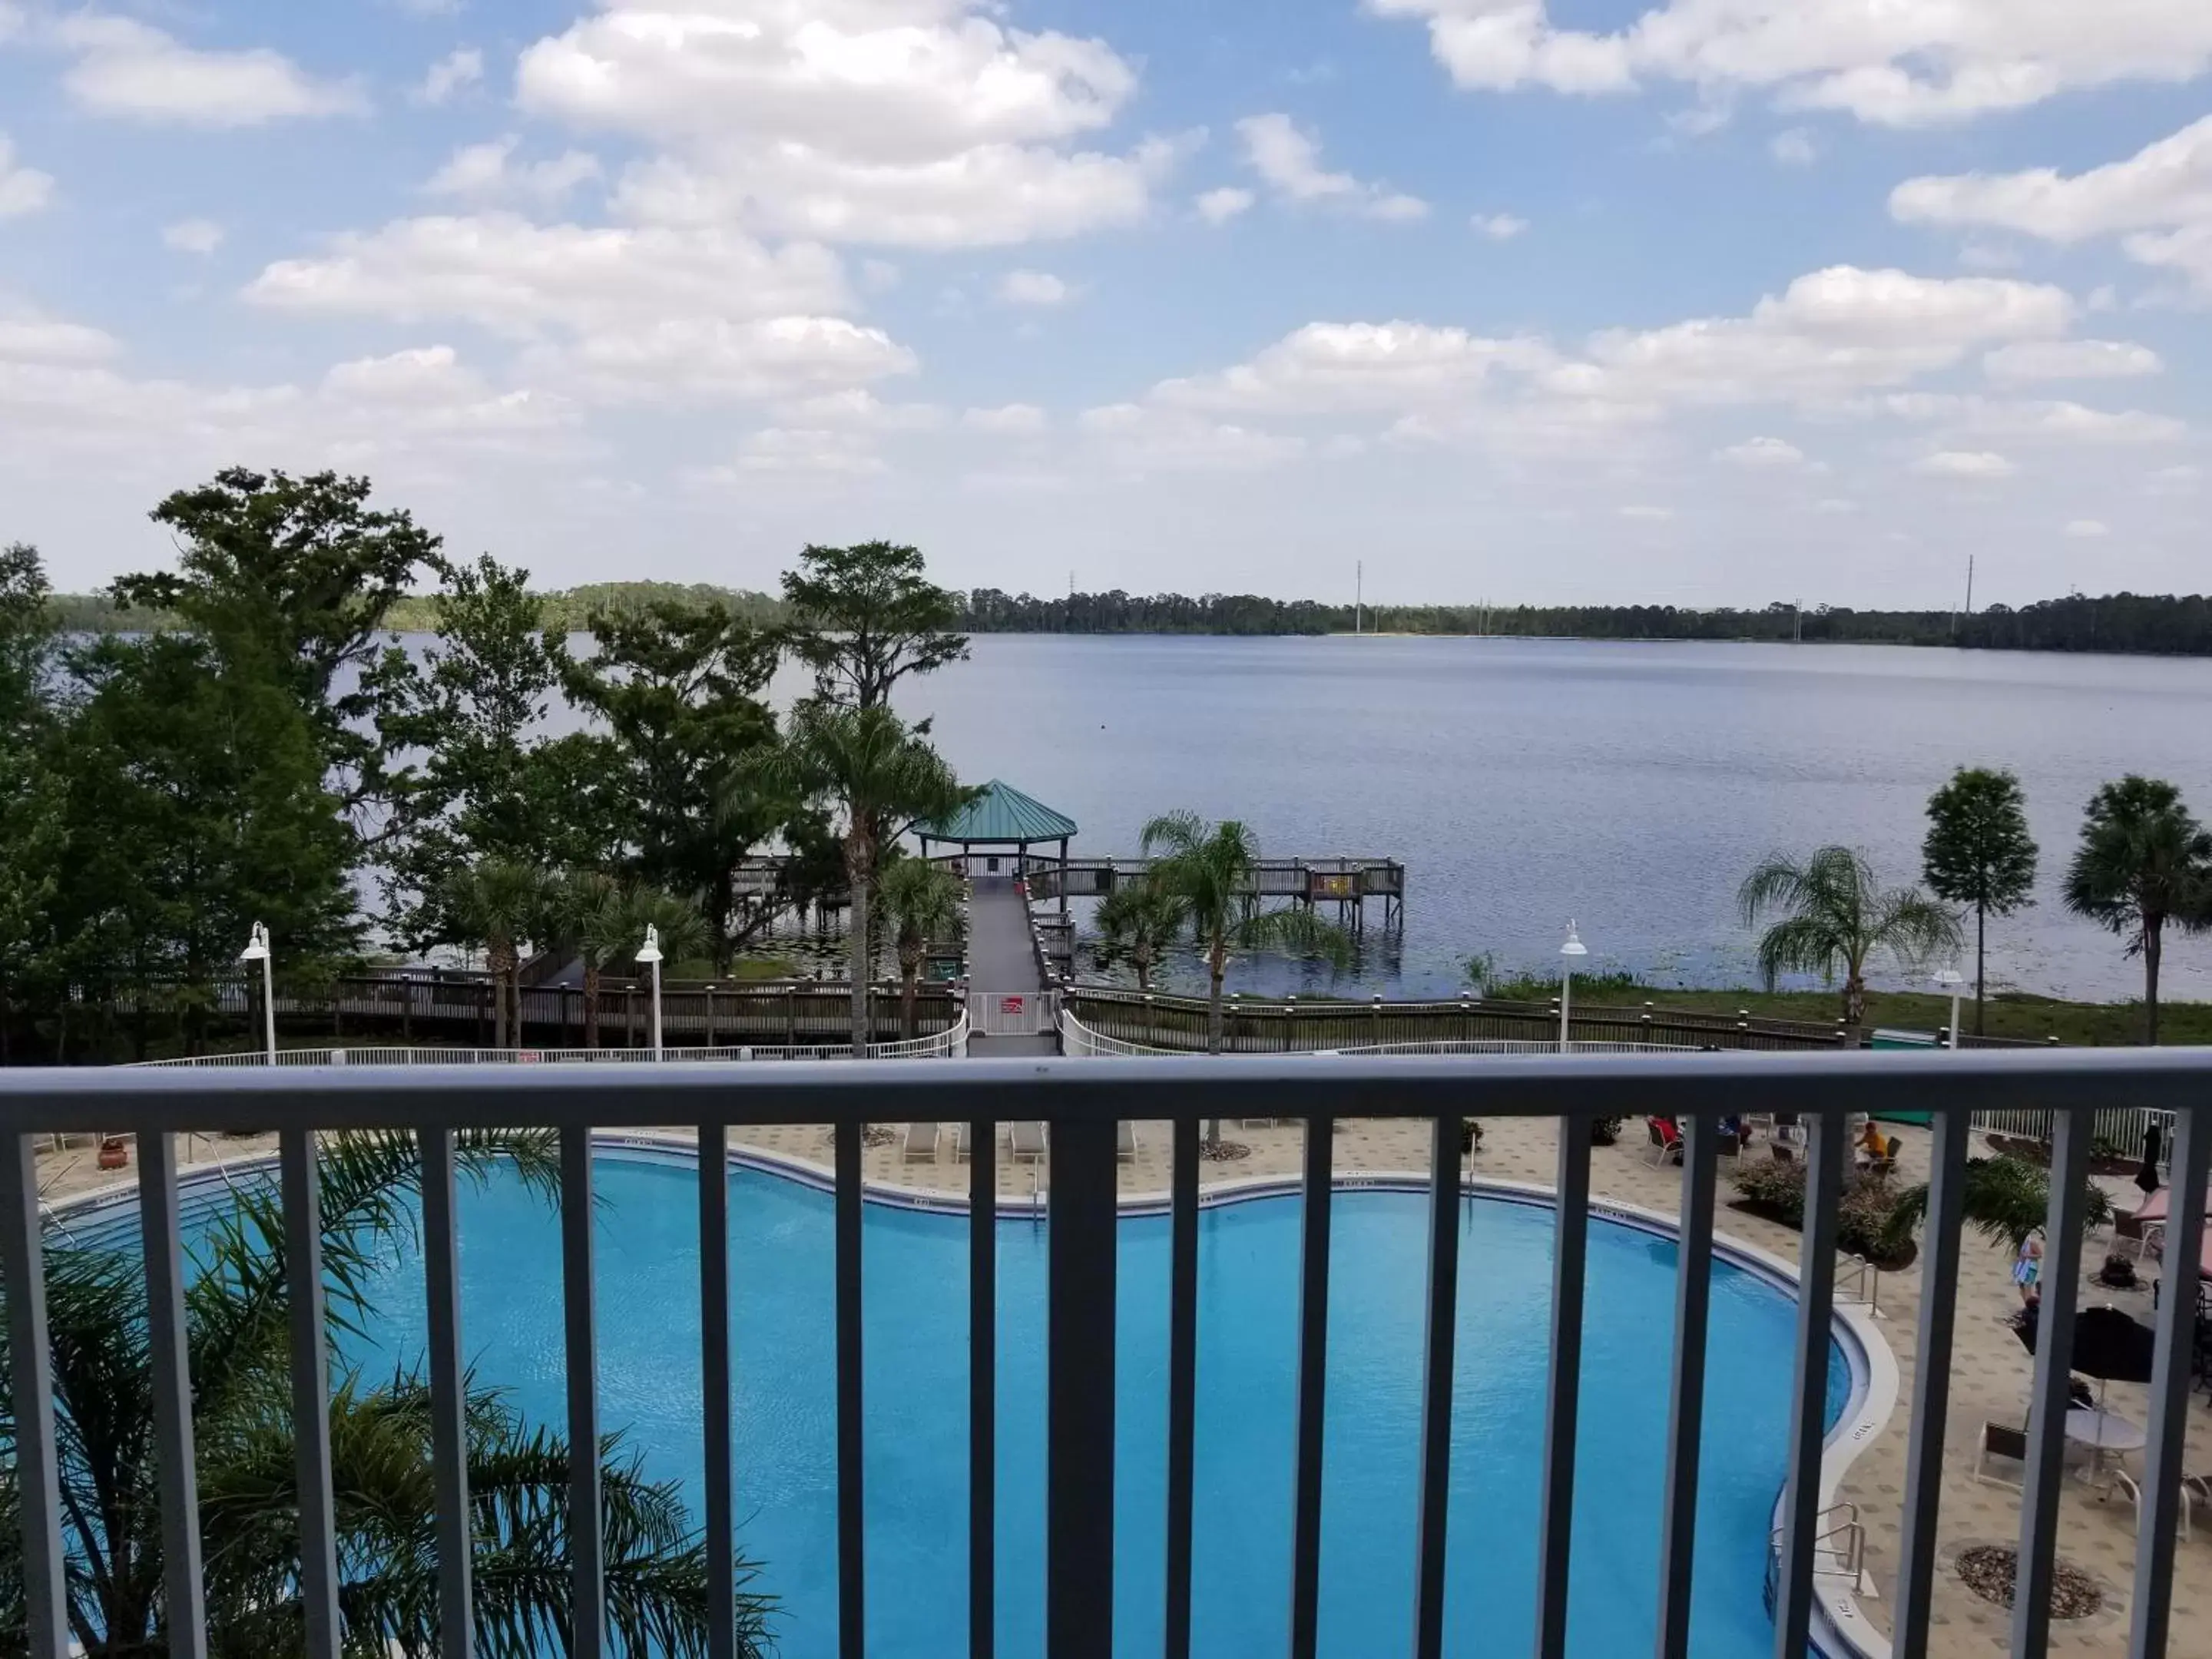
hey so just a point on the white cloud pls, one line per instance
(1963, 464)
(455, 71)
(1835, 506)
(2087, 529)
(28, 336)
(1039, 289)
(1007, 420)
(1830, 334)
(1134, 438)
(856, 409)
(22, 189)
(131, 69)
(514, 276)
(1794, 148)
(2158, 201)
(920, 123)
(2071, 360)
(1499, 227)
(1770, 453)
(1895, 64)
(990, 196)
(1646, 512)
(192, 236)
(716, 358)
(2055, 420)
(1330, 367)
(483, 173)
(1218, 207)
(1288, 160)
(807, 452)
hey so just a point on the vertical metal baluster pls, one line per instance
(22, 1257)
(184, 1604)
(1571, 1250)
(1941, 1232)
(449, 1405)
(714, 1388)
(852, 1570)
(1826, 1154)
(982, 1389)
(1313, 1383)
(2163, 1457)
(311, 1391)
(1081, 1210)
(1436, 1389)
(1694, 1287)
(1182, 1380)
(2061, 1280)
(587, 1524)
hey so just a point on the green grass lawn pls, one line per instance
(2010, 1014)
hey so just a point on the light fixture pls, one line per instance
(1571, 953)
(256, 950)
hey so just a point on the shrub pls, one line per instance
(1605, 1131)
(1865, 1221)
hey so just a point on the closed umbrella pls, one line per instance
(2147, 1175)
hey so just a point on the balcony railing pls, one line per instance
(1081, 1102)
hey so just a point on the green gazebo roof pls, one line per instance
(1001, 812)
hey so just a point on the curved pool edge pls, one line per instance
(1841, 1627)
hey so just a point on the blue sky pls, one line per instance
(1710, 302)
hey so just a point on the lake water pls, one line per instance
(1629, 786)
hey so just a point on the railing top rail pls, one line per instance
(1073, 1091)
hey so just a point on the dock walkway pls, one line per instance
(1001, 963)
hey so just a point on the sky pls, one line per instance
(1713, 301)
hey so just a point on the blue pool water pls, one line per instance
(916, 1390)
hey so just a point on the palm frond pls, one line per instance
(1296, 930)
(1173, 832)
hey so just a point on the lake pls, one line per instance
(1524, 781)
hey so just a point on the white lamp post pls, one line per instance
(1951, 980)
(1573, 949)
(256, 950)
(650, 952)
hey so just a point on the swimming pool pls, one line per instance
(915, 1266)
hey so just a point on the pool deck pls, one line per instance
(1990, 1372)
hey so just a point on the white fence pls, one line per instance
(1077, 1038)
(1013, 1013)
(949, 1044)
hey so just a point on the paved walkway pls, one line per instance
(1001, 961)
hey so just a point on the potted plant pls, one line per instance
(114, 1152)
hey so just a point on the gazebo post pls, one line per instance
(1063, 878)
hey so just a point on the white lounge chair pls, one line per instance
(921, 1143)
(2124, 1482)
(1125, 1141)
(1028, 1142)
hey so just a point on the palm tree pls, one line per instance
(876, 771)
(497, 904)
(603, 921)
(922, 902)
(2007, 1199)
(238, 1353)
(1209, 873)
(1835, 916)
(1139, 921)
(2143, 861)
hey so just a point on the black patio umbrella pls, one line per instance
(2108, 1344)
(2147, 1175)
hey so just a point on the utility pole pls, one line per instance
(1797, 636)
(1969, 584)
(1359, 594)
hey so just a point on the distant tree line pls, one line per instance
(2160, 624)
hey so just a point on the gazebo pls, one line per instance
(1001, 816)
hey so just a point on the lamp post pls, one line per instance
(1950, 979)
(1573, 949)
(256, 950)
(649, 952)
